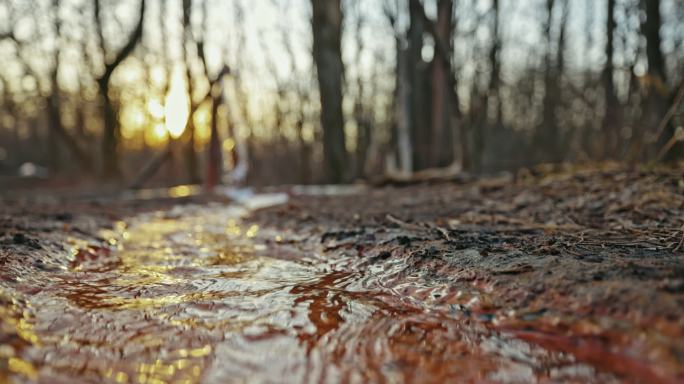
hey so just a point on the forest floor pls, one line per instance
(574, 275)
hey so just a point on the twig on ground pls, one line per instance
(403, 224)
(681, 242)
(443, 232)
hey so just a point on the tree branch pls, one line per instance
(8, 35)
(127, 49)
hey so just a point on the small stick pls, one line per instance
(663, 123)
(403, 224)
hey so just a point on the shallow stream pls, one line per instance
(196, 295)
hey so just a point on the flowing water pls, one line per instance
(197, 295)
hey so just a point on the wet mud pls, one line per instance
(218, 293)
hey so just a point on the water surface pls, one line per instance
(196, 294)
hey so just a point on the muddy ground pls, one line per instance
(563, 276)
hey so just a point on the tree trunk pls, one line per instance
(651, 30)
(488, 121)
(110, 142)
(361, 112)
(214, 169)
(658, 91)
(110, 137)
(548, 135)
(53, 147)
(610, 117)
(495, 64)
(327, 33)
(189, 134)
(403, 111)
(420, 128)
(363, 133)
(549, 142)
(441, 137)
(56, 128)
(304, 153)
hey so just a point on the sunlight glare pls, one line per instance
(156, 109)
(228, 145)
(156, 134)
(159, 132)
(202, 120)
(177, 107)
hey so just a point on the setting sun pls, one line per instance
(176, 108)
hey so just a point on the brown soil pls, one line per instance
(586, 265)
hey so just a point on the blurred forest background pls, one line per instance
(161, 92)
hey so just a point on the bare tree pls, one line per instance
(188, 136)
(361, 108)
(327, 34)
(420, 131)
(428, 102)
(659, 94)
(56, 132)
(441, 136)
(610, 117)
(549, 134)
(495, 64)
(303, 99)
(53, 101)
(110, 138)
(401, 127)
(215, 95)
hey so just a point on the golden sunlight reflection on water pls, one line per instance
(181, 191)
